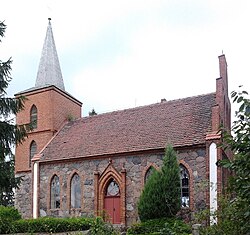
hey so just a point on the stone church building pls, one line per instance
(77, 166)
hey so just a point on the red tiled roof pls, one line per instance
(182, 122)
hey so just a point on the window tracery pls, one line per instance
(75, 191)
(55, 193)
(185, 195)
(113, 189)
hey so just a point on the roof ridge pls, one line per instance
(147, 105)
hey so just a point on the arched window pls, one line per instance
(75, 191)
(33, 116)
(112, 189)
(185, 195)
(33, 150)
(55, 193)
(149, 172)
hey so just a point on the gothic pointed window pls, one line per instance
(33, 150)
(75, 191)
(149, 172)
(185, 195)
(55, 193)
(33, 116)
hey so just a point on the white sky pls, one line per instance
(118, 54)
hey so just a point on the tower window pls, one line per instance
(185, 198)
(75, 191)
(33, 116)
(55, 193)
(33, 150)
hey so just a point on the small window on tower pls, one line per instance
(33, 149)
(33, 116)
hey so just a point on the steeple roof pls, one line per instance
(49, 71)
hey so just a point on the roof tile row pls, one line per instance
(181, 122)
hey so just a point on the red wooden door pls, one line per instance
(112, 202)
(112, 208)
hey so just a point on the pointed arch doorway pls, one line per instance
(112, 202)
(110, 191)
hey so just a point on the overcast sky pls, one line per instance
(117, 54)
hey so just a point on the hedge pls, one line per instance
(49, 225)
(160, 226)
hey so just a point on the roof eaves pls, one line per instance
(106, 155)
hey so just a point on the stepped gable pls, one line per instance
(182, 122)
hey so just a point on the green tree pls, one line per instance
(10, 133)
(239, 165)
(92, 112)
(234, 212)
(161, 195)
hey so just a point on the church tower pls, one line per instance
(48, 106)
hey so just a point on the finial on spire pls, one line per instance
(49, 19)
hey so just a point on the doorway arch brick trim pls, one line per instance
(101, 181)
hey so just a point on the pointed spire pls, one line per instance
(49, 71)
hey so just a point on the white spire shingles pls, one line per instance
(49, 71)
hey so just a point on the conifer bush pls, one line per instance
(161, 195)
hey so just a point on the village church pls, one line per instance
(81, 166)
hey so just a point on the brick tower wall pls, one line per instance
(54, 108)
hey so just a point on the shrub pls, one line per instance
(160, 226)
(175, 227)
(9, 212)
(239, 166)
(51, 225)
(161, 195)
(184, 214)
(99, 227)
(7, 216)
(234, 210)
(227, 216)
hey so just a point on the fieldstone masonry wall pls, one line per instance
(135, 169)
(23, 195)
(196, 161)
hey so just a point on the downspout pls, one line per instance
(35, 186)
